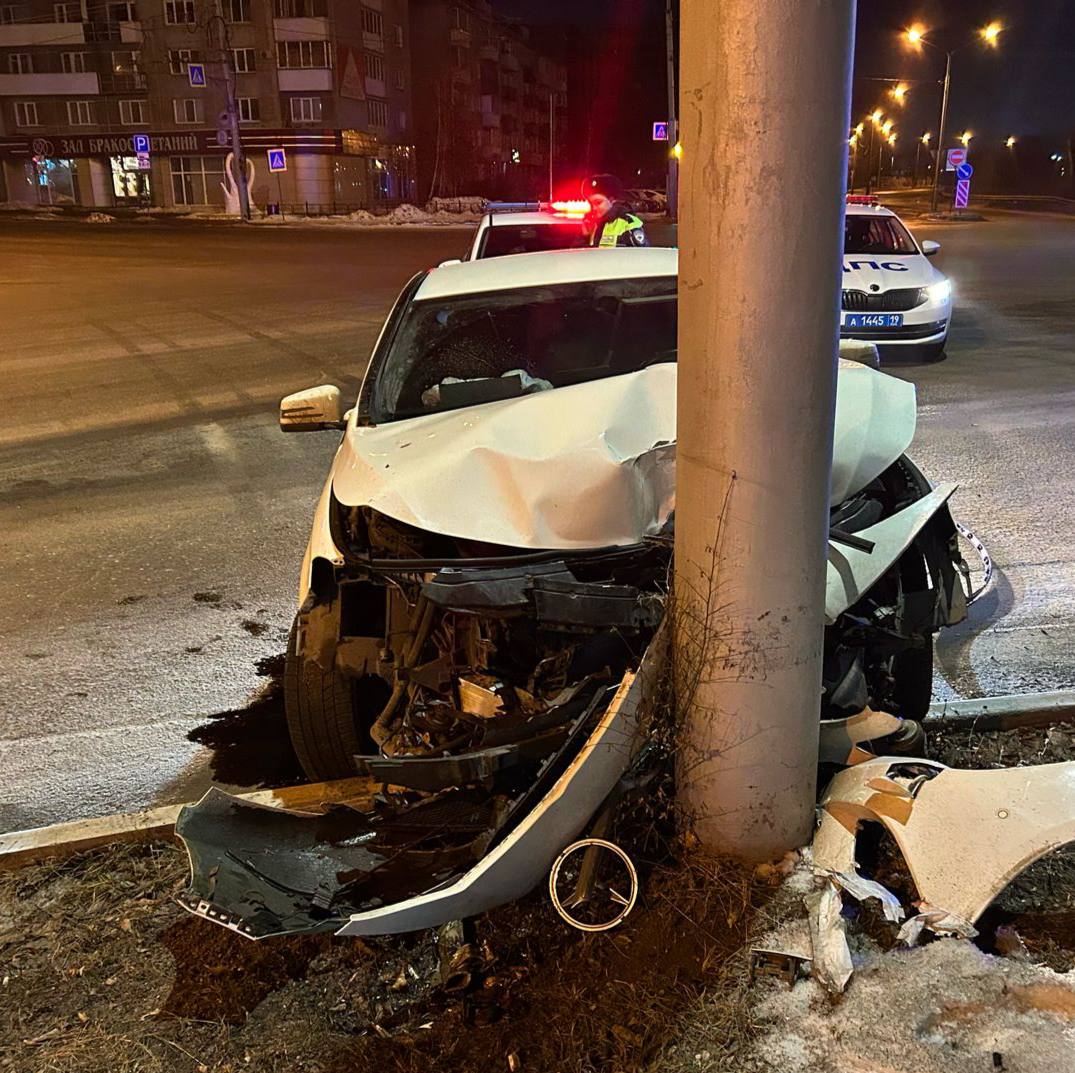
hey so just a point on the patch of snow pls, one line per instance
(100, 218)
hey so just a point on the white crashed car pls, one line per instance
(486, 576)
(892, 295)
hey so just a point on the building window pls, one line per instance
(132, 113)
(67, 12)
(372, 22)
(399, 36)
(374, 67)
(243, 60)
(299, 9)
(26, 114)
(237, 10)
(305, 109)
(194, 178)
(80, 113)
(400, 79)
(121, 12)
(19, 63)
(187, 110)
(73, 63)
(178, 58)
(179, 12)
(126, 62)
(378, 112)
(461, 19)
(7, 14)
(249, 109)
(291, 54)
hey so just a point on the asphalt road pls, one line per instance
(152, 517)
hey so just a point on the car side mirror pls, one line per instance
(929, 247)
(312, 410)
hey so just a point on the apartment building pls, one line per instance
(490, 107)
(326, 80)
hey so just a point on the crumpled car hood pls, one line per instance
(586, 466)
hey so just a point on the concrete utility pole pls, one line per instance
(220, 40)
(765, 106)
(672, 182)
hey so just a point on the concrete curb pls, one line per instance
(1003, 713)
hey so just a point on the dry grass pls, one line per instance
(94, 954)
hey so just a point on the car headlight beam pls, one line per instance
(940, 291)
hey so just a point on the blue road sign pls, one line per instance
(660, 132)
(962, 193)
(141, 143)
(277, 159)
(964, 171)
(196, 74)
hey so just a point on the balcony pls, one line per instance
(305, 79)
(42, 33)
(372, 42)
(375, 87)
(458, 36)
(307, 29)
(123, 82)
(49, 84)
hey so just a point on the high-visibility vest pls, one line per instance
(610, 233)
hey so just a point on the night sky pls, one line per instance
(1026, 87)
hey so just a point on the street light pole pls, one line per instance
(941, 132)
(672, 181)
(238, 159)
(756, 400)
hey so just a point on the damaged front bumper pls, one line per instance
(411, 863)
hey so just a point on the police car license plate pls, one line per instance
(873, 320)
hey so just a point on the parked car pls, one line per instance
(892, 294)
(486, 575)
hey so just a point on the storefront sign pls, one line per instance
(183, 143)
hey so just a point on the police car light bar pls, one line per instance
(862, 199)
(569, 208)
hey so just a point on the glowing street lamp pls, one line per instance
(1010, 143)
(859, 129)
(876, 116)
(915, 37)
(965, 138)
(886, 127)
(899, 93)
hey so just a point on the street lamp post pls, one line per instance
(935, 195)
(916, 37)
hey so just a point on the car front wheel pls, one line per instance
(325, 714)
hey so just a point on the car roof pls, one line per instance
(869, 210)
(528, 219)
(547, 269)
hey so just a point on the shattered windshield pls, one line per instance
(876, 234)
(469, 349)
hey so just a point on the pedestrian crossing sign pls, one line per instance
(277, 160)
(196, 74)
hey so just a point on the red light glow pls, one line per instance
(570, 208)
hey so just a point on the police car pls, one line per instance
(892, 295)
(529, 227)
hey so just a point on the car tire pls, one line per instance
(321, 716)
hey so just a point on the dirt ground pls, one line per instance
(100, 970)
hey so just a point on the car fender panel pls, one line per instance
(853, 571)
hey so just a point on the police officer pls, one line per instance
(610, 221)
